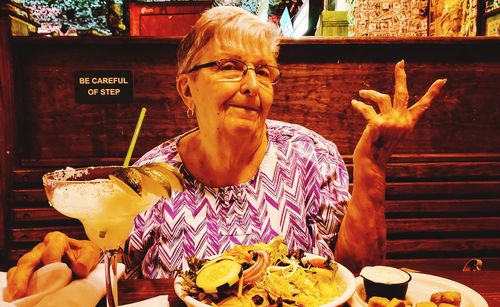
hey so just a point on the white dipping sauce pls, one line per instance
(384, 274)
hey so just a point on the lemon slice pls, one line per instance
(218, 275)
(128, 179)
(166, 173)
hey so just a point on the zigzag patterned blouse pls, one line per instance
(300, 192)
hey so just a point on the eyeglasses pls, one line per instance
(235, 70)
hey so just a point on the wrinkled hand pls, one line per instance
(81, 255)
(386, 129)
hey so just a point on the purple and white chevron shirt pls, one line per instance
(299, 192)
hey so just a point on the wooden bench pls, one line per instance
(443, 192)
(428, 216)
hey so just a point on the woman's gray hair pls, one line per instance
(227, 26)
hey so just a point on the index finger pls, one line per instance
(401, 95)
(57, 245)
(17, 281)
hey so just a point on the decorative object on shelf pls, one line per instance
(78, 17)
(390, 18)
(492, 18)
(164, 18)
(491, 5)
(277, 9)
(333, 23)
(258, 7)
(492, 22)
(453, 17)
(114, 18)
(21, 18)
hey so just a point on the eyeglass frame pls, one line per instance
(244, 72)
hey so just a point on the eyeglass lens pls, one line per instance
(235, 69)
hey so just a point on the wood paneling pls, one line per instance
(7, 115)
(449, 207)
(29, 195)
(317, 86)
(451, 189)
(435, 227)
(444, 247)
(37, 214)
(451, 263)
(37, 234)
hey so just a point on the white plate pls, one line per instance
(420, 289)
(343, 277)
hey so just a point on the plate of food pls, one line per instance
(424, 288)
(264, 275)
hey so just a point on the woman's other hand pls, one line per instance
(362, 237)
(386, 129)
(81, 255)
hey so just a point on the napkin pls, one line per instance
(157, 301)
(51, 285)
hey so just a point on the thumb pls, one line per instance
(85, 256)
(425, 102)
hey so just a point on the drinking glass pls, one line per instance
(105, 210)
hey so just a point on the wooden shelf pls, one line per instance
(307, 40)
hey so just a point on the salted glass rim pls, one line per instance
(72, 174)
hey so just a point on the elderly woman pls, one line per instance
(248, 178)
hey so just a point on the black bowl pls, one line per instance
(378, 282)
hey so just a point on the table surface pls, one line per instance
(486, 283)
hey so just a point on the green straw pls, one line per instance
(134, 138)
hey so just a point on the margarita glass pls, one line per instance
(105, 209)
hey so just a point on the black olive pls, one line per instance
(257, 299)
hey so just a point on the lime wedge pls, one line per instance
(128, 179)
(155, 182)
(165, 172)
(158, 178)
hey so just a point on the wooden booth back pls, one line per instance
(443, 182)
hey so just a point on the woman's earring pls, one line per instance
(190, 113)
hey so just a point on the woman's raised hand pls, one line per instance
(81, 255)
(387, 128)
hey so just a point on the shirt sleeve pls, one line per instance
(331, 195)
